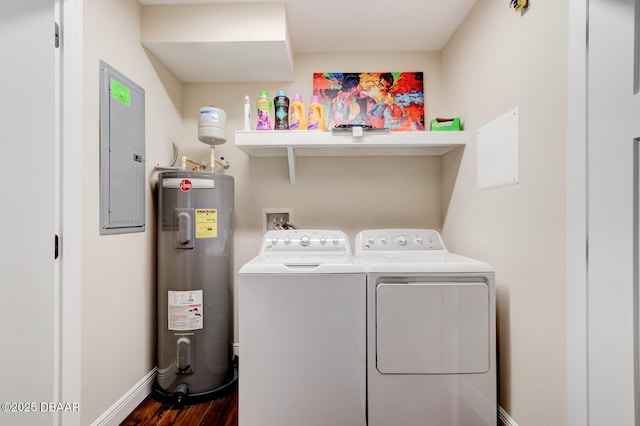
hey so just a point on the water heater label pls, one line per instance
(206, 223)
(209, 115)
(185, 310)
(188, 184)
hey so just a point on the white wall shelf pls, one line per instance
(308, 143)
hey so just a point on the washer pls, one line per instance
(430, 331)
(302, 329)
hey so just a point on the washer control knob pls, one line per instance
(383, 240)
(274, 240)
(335, 240)
(419, 240)
(371, 240)
(401, 240)
(287, 240)
(305, 240)
(323, 240)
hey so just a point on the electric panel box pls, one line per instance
(122, 153)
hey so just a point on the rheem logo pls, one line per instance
(185, 185)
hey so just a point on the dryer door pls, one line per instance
(432, 328)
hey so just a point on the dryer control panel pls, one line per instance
(398, 239)
(305, 241)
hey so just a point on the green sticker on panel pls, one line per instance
(120, 92)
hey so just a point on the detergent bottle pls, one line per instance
(297, 115)
(281, 103)
(316, 115)
(263, 103)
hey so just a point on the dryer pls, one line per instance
(431, 356)
(302, 332)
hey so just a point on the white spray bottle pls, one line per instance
(247, 113)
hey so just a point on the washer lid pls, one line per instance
(302, 264)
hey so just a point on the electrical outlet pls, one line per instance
(273, 217)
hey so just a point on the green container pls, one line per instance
(445, 124)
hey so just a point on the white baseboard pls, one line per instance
(236, 349)
(504, 419)
(128, 402)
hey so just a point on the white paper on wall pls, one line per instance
(497, 153)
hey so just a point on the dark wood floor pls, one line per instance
(219, 412)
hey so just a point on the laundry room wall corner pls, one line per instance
(118, 271)
(498, 60)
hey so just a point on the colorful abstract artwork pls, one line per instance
(392, 100)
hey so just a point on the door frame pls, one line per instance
(70, 175)
(577, 214)
(578, 314)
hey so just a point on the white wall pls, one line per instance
(347, 193)
(118, 278)
(498, 60)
